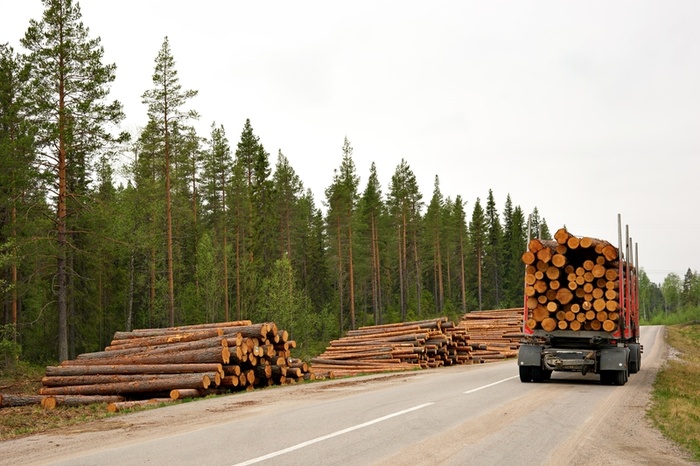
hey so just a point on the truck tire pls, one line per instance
(526, 374)
(635, 360)
(619, 377)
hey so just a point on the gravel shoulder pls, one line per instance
(619, 431)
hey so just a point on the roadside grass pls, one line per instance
(675, 409)
(25, 379)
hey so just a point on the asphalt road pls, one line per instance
(481, 415)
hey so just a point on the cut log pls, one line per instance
(549, 324)
(206, 355)
(157, 384)
(117, 406)
(216, 341)
(60, 381)
(90, 369)
(562, 236)
(51, 401)
(181, 393)
(564, 295)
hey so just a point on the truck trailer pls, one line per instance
(581, 311)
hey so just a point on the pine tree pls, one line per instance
(372, 212)
(478, 229)
(165, 103)
(514, 239)
(287, 188)
(459, 219)
(216, 180)
(493, 255)
(255, 220)
(405, 203)
(341, 198)
(70, 85)
(434, 225)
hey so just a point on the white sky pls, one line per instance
(581, 109)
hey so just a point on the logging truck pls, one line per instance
(581, 309)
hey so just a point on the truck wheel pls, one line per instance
(639, 358)
(634, 361)
(606, 377)
(525, 374)
(540, 375)
(619, 377)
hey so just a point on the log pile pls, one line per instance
(177, 362)
(493, 334)
(572, 283)
(395, 347)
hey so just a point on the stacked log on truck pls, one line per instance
(572, 283)
(192, 360)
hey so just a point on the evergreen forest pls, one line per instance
(200, 228)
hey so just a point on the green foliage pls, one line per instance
(682, 316)
(676, 403)
(10, 350)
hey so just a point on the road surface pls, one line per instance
(462, 415)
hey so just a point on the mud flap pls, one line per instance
(530, 355)
(614, 359)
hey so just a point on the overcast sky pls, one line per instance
(581, 109)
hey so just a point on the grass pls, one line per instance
(675, 409)
(25, 379)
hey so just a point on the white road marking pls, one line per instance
(334, 434)
(489, 385)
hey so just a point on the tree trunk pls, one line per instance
(169, 227)
(352, 277)
(62, 278)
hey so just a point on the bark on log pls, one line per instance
(216, 341)
(68, 380)
(53, 371)
(157, 384)
(181, 393)
(51, 401)
(117, 406)
(206, 355)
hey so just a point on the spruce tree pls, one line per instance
(18, 177)
(70, 87)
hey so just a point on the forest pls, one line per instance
(210, 227)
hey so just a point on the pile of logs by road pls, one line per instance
(493, 334)
(396, 347)
(572, 283)
(173, 362)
